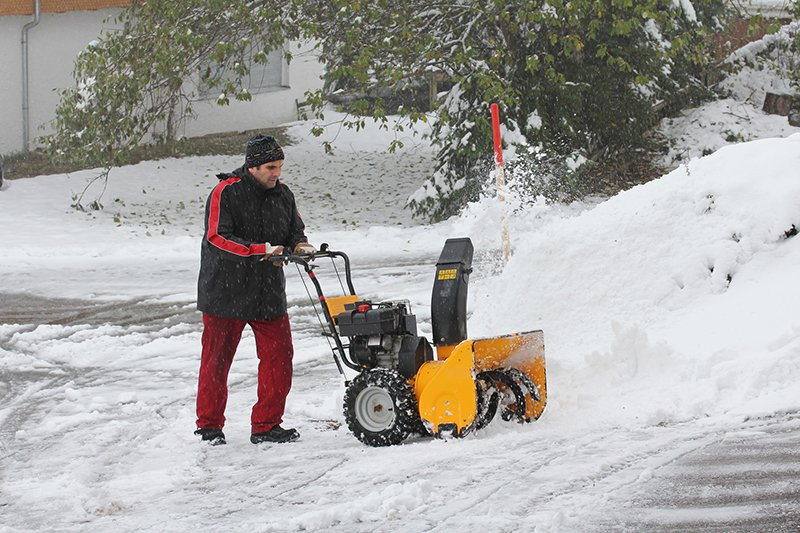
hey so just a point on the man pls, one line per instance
(250, 216)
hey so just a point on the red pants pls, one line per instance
(274, 347)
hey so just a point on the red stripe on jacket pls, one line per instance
(213, 225)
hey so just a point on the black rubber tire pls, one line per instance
(380, 407)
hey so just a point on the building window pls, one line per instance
(264, 77)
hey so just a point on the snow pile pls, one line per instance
(673, 300)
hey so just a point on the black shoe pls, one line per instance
(214, 437)
(276, 434)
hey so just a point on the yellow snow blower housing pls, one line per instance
(464, 390)
(400, 387)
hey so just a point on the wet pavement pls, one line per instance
(20, 308)
(745, 479)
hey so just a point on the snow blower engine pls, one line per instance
(400, 387)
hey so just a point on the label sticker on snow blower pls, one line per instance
(447, 273)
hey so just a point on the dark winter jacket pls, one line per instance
(241, 216)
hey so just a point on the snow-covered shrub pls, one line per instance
(771, 63)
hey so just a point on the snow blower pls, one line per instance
(401, 387)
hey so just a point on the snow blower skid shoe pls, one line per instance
(400, 387)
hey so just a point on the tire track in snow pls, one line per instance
(538, 496)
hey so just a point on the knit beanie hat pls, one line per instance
(262, 149)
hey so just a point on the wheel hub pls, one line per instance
(374, 409)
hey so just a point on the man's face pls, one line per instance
(268, 173)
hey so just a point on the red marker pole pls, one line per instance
(500, 178)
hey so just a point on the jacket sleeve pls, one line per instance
(297, 227)
(220, 226)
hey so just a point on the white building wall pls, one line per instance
(304, 73)
(53, 46)
(10, 84)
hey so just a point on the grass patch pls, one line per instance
(37, 163)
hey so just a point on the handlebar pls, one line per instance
(305, 260)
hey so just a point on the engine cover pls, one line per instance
(384, 335)
(378, 321)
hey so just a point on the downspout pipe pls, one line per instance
(37, 15)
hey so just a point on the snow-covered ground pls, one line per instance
(671, 321)
(756, 69)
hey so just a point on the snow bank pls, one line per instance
(671, 300)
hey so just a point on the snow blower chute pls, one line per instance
(400, 387)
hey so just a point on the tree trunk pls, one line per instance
(434, 78)
(172, 121)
